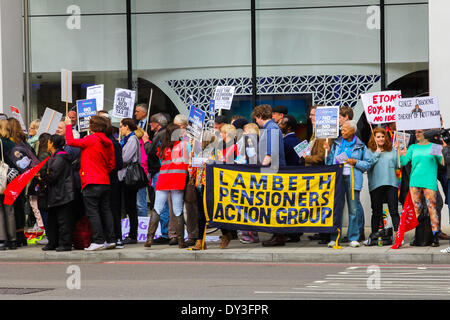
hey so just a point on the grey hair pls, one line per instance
(352, 124)
(143, 106)
(159, 118)
(181, 119)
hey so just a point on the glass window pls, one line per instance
(407, 48)
(64, 7)
(326, 56)
(93, 47)
(183, 55)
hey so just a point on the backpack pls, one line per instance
(385, 234)
(81, 235)
(23, 157)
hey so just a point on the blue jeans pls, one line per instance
(161, 197)
(142, 202)
(164, 215)
(353, 227)
(360, 217)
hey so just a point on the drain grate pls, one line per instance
(20, 291)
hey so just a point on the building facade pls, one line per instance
(282, 52)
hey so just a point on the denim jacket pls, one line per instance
(363, 163)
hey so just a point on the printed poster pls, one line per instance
(124, 103)
(418, 113)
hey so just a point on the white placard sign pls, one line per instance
(327, 122)
(66, 85)
(417, 113)
(49, 122)
(380, 106)
(223, 97)
(97, 93)
(124, 103)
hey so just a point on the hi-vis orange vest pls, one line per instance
(174, 168)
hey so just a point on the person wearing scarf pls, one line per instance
(350, 151)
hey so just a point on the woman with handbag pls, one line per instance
(97, 161)
(131, 155)
(8, 234)
(172, 177)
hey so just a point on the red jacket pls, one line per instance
(97, 157)
(174, 168)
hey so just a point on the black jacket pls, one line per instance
(151, 149)
(118, 160)
(59, 179)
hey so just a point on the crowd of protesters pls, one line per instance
(86, 175)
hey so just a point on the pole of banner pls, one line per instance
(67, 92)
(398, 148)
(148, 111)
(326, 150)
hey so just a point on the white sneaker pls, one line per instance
(119, 244)
(109, 245)
(446, 250)
(331, 244)
(44, 241)
(95, 247)
(354, 244)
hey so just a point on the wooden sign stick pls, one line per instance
(51, 120)
(149, 107)
(398, 149)
(371, 129)
(67, 93)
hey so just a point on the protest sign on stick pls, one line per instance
(380, 106)
(327, 123)
(16, 115)
(49, 122)
(85, 110)
(195, 123)
(418, 113)
(98, 93)
(123, 103)
(66, 87)
(223, 97)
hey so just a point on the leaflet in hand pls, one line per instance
(341, 158)
(403, 139)
(303, 149)
(436, 149)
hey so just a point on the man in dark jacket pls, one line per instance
(288, 126)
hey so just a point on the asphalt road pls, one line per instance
(220, 281)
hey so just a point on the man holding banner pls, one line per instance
(271, 152)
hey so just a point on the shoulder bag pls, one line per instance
(135, 176)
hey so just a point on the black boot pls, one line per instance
(153, 225)
(435, 242)
(180, 232)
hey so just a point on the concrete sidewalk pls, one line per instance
(305, 251)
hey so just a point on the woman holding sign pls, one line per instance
(383, 182)
(423, 180)
(350, 151)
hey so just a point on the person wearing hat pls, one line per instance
(278, 114)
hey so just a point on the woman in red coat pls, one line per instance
(97, 161)
(172, 177)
